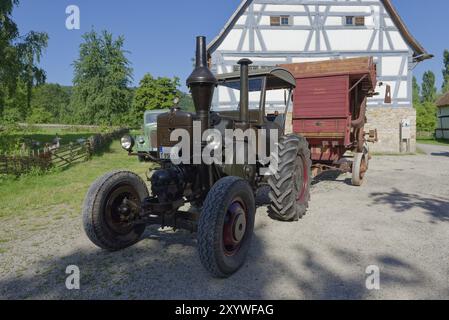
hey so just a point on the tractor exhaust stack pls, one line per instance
(244, 91)
(202, 84)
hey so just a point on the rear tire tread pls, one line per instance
(284, 205)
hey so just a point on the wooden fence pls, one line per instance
(20, 163)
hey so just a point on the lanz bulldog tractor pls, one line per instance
(118, 206)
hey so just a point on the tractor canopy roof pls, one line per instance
(277, 78)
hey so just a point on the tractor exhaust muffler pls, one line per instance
(202, 84)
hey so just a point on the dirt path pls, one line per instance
(398, 221)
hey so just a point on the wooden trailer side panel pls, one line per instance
(321, 107)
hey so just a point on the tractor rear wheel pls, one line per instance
(290, 185)
(112, 204)
(226, 226)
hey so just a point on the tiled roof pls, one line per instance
(443, 101)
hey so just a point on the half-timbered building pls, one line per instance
(273, 32)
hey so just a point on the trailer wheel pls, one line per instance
(111, 205)
(226, 226)
(367, 152)
(359, 169)
(290, 185)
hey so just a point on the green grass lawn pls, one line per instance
(438, 142)
(35, 194)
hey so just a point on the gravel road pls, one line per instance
(398, 221)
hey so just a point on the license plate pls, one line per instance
(165, 153)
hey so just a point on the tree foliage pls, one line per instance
(8, 52)
(102, 75)
(425, 105)
(52, 99)
(426, 117)
(153, 94)
(429, 90)
(30, 53)
(416, 92)
(19, 57)
(446, 71)
(186, 102)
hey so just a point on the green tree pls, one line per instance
(426, 117)
(186, 102)
(54, 99)
(429, 90)
(153, 94)
(39, 115)
(446, 71)
(102, 75)
(19, 57)
(416, 92)
(30, 54)
(8, 52)
(14, 104)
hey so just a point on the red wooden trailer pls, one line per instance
(330, 111)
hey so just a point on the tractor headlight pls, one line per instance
(127, 143)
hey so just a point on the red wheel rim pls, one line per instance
(234, 228)
(302, 188)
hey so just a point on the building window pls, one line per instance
(277, 21)
(285, 20)
(355, 21)
(349, 21)
(360, 21)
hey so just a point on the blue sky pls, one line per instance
(160, 34)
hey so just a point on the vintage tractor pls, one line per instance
(118, 206)
(147, 143)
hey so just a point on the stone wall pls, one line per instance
(387, 121)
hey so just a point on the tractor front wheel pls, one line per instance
(112, 204)
(226, 226)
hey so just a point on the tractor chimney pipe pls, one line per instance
(202, 84)
(201, 52)
(244, 90)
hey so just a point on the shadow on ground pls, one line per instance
(332, 176)
(166, 266)
(441, 154)
(437, 208)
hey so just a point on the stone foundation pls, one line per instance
(387, 121)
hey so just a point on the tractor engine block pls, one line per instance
(172, 183)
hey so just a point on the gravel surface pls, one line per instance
(434, 150)
(398, 221)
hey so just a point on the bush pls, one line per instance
(426, 117)
(11, 116)
(39, 116)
